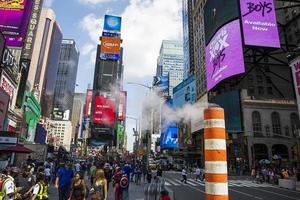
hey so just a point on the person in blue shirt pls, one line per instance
(63, 181)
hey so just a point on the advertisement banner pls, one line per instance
(104, 111)
(10, 64)
(185, 92)
(112, 23)
(224, 54)
(122, 105)
(259, 23)
(4, 101)
(14, 20)
(88, 102)
(120, 133)
(32, 28)
(295, 65)
(216, 14)
(169, 139)
(161, 85)
(110, 48)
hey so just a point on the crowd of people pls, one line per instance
(272, 174)
(74, 180)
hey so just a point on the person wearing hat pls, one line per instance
(63, 181)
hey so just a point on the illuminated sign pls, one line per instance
(122, 105)
(259, 23)
(224, 54)
(14, 20)
(4, 101)
(112, 23)
(104, 111)
(110, 48)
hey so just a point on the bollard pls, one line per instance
(216, 180)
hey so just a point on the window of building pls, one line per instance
(276, 124)
(268, 132)
(267, 68)
(260, 90)
(256, 123)
(259, 78)
(270, 90)
(287, 131)
(268, 79)
(251, 90)
(294, 123)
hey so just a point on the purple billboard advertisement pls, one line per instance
(14, 20)
(224, 54)
(259, 23)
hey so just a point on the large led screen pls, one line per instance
(14, 20)
(104, 111)
(161, 84)
(259, 23)
(122, 105)
(110, 48)
(217, 13)
(112, 23)
(224, 54)
(169, 138)
(88, 102)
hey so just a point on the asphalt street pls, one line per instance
(238, 189)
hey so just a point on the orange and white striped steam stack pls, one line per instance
(216, 180)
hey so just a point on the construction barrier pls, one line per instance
(216, 180)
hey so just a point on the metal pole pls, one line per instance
(216, 180)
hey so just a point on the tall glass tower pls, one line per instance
(170, 62)
(66, 76)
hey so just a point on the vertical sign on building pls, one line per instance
(295, 65)
(259, 23)
(122, 105)
(88, 103)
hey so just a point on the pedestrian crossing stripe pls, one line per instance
(231, 183)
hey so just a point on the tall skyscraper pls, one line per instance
(66, 76)
(170, 62)
(188, 38)
(51, 73)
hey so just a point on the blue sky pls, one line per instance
(145, 23)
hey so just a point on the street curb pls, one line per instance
(171, 193)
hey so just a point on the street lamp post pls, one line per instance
(135, 130)
(148, 135)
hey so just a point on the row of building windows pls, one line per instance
(276, 125)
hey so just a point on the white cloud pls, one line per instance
(48, 3)
(94, 1)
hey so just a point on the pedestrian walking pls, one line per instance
(99, 188)
(184, 175)
(78, 189)
(116, 183)
(40, 190)
(149, 175)
(108, 174)
(253, 174)
(93, 173)
(164, 195)
(8, 190)
(26, 181)
(124, 186)
(198, 173)
(63, 181)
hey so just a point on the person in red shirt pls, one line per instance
(164, 195)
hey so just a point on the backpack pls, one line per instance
(124, 182)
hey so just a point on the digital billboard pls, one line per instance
(231, 103)
(185, 92)
(110, 48)
(14, 20)
(217, 13)
(104, 111)
(169, 138)
(122, 105)
(295, 66)
(112, 23)
(259, 23)
(88, 102)
(161, 84)
(224, 54)
(2, 44)
(120, 132)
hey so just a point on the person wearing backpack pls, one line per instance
(116, 184)
(124, 186)
(40, 190)
(78, 188)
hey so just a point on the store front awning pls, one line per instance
(18, 148)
